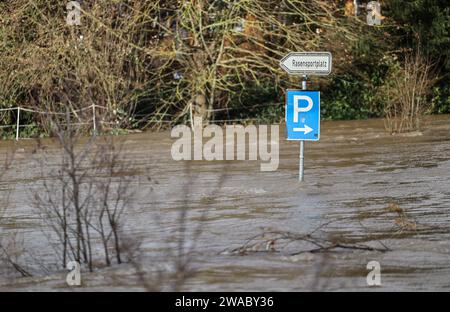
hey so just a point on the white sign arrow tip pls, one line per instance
(306, 129)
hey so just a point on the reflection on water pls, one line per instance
(352, 175)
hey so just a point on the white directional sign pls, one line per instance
(307, 63)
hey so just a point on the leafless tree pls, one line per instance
(160, 58)
(113, 195)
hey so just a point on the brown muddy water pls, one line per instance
(352, 175)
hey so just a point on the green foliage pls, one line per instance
(424, 23)
(441, 100)
(355, 94)
(32, 131)
(262, 102)
(118, 132)
(349, 97)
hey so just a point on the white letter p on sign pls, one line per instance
(298, 109)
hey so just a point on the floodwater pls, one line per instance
(353, 174)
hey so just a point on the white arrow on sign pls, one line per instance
(307, 63)
(306, 129)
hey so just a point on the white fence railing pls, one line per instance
(19, 109)
(94, 108)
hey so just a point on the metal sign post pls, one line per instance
(303, 119)
(301, 167)
(302, 106)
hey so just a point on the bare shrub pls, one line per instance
(84, 201)
(113, 194)
(407, 89)
(60, 65)
(11, 252)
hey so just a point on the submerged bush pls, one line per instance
(408, 89)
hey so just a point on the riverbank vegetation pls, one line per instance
(150, 64)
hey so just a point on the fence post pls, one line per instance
(191, 116)
(18, 124)
(93, 119)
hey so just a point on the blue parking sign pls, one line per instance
(303, 115)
